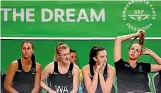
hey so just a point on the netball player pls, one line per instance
(24, 74)
(63, 75)
(132, 76)
(98, 75)
(73, 56)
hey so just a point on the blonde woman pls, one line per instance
(63, 75)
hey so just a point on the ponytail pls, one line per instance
(141, 39)
(33, 58)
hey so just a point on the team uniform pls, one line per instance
(98, 90)
(159, 84)
(61, 83)
(132, 80)
(23, 82)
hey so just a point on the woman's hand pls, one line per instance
(52, 91)
(147, 51)
(140, 32)
(102, 68)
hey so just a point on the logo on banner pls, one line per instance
(139, 14)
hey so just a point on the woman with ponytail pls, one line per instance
(132, 76)
(24, 74)
(98, 75)
(62, 75)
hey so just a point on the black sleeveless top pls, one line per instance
(23, 81)
(132, 79)
(99, 90)
(61, 83)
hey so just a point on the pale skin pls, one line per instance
(154, 67)
(135, 51)
(99, 67)
(63, 66)
(27, 51)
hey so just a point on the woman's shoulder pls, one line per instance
(111, 68)
(14, 64)
(85, 68)
(38, 66)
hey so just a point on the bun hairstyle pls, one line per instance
(141, 39)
